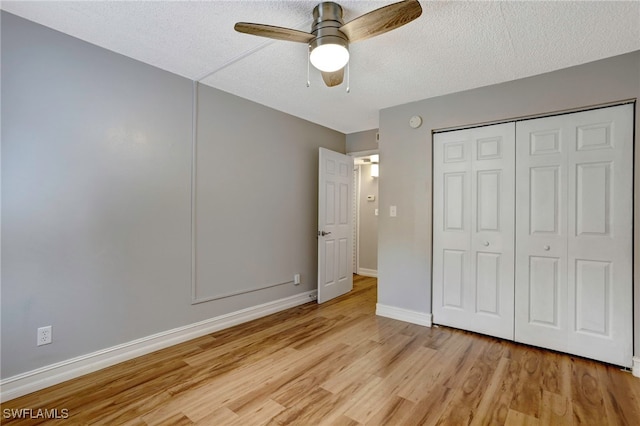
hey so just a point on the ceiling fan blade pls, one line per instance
(381, 20)
(332, 79)
(278, 33)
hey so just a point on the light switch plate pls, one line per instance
(393, 212)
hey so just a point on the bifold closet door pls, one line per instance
(574, 233)
(473, 229)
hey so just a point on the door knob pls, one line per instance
(547, 248)
(324, 233)
(486, 243)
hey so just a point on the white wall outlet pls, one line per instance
(44, 335)
(296, 279)
(393, 211)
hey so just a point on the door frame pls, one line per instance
(356, 206)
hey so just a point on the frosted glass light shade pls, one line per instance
(329, 57)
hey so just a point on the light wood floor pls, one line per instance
(339, 364)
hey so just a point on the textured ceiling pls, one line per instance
(453, 46)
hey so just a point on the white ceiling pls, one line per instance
(453, 46)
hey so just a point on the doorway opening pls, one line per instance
(365, 213)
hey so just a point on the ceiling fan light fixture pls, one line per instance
(329, 55)
(330, 37)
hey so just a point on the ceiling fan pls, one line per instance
(330, 37)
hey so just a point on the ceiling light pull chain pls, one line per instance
(348, 77)
(308, 66)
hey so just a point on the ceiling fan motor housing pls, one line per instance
(327, 21)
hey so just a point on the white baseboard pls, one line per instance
(31, 381)
(405, 315)
(635, 370)
(368, 272)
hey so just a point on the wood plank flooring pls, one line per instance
(339, 364)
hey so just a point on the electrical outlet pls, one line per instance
(44, 335)
(296, 279)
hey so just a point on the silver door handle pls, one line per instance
(547, 248)
(486, 243)
(324, 233)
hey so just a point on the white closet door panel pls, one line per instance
(600, 224)
(544, 200)
(543, 291)
(574, 233)
(455, 188)
(473, 229)
(541, 233)
(452, 224)
(488, 283)
(492, 228)
(453, 276)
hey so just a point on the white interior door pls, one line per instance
(574, 233)
(335, 246)
(473, 229)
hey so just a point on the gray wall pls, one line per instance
(257, 195)
(368, 224)
(362, 141)
(96, 198)
(404, 263)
